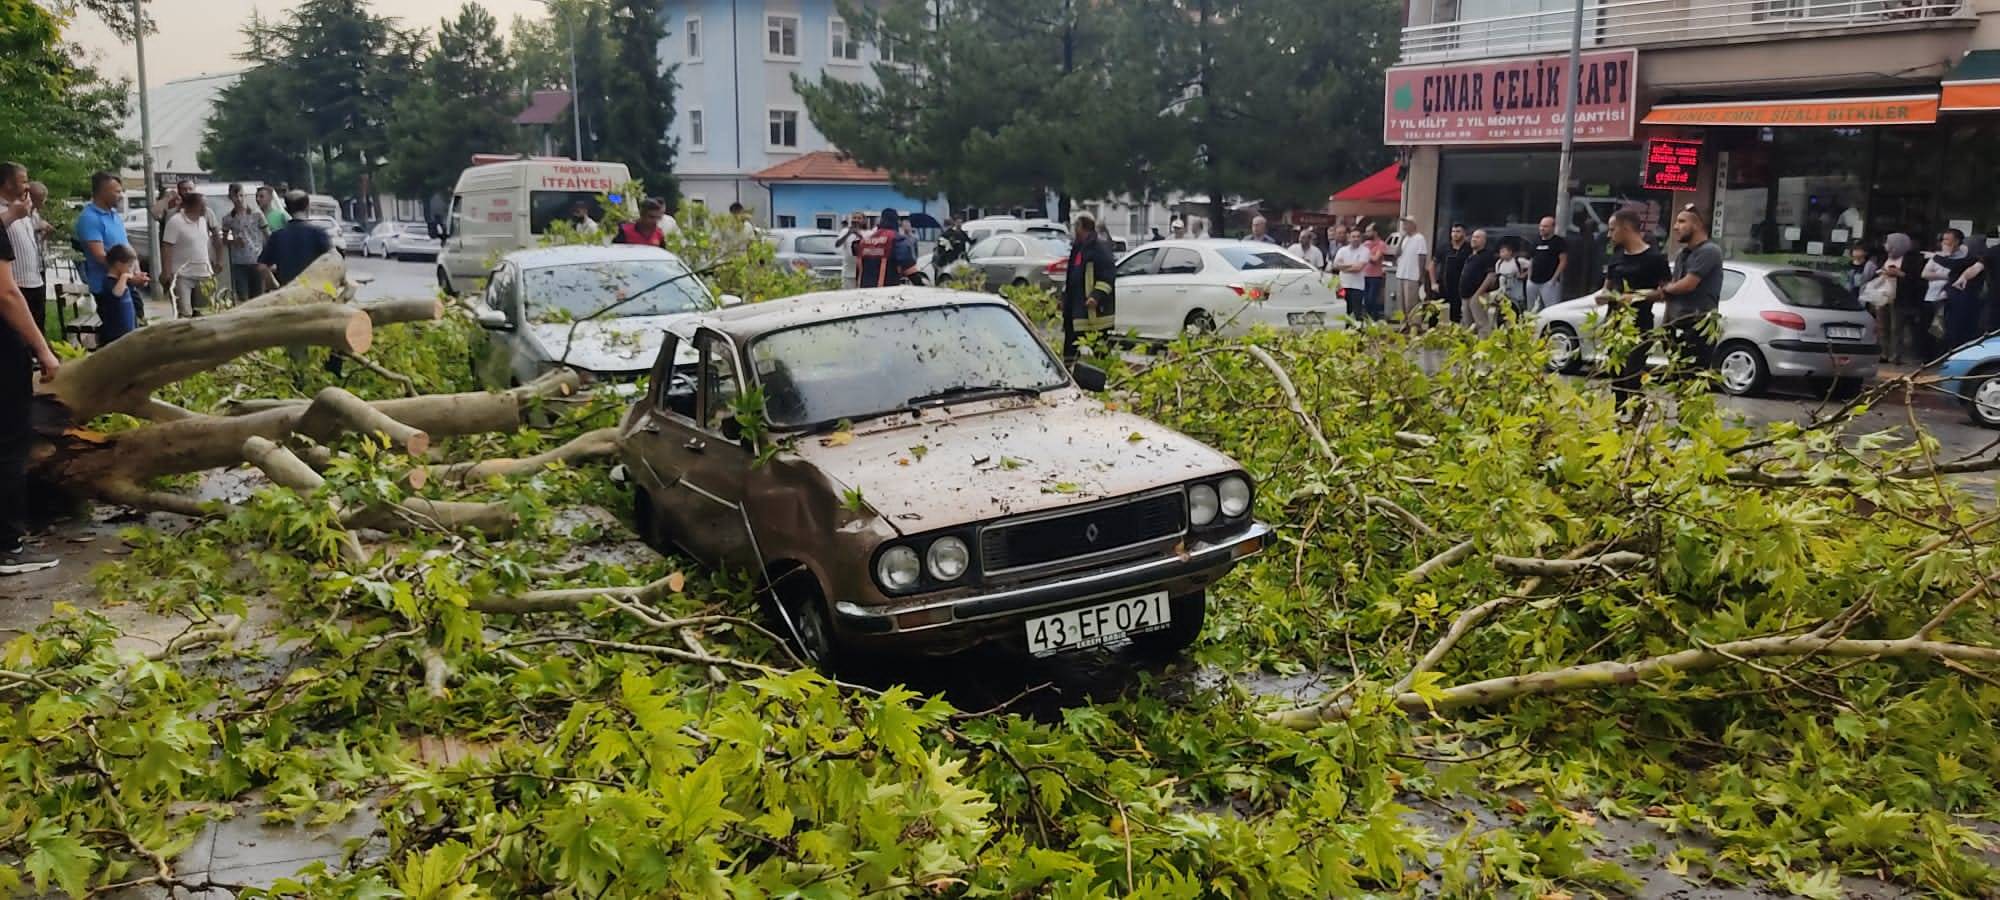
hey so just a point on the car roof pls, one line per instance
(1200, 243)
(576, 254)
(748, 321)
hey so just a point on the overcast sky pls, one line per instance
(201, 37)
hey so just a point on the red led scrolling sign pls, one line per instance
(1672, 164)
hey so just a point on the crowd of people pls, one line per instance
(1926, 303)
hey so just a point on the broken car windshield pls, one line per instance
(869, 365)
(560, 293)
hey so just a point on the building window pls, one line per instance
(784, 129)
(788, 221)
(693, 39)
(824, 221)
(846, 47)
(781, 37)
(697, 130)
(885, 47)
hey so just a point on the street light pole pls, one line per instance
(146, 143)
(575, 109)
(1563, 217)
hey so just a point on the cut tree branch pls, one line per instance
(1556, 568)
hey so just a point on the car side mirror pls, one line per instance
(731, 300)
(494, 320)
(1089, 377)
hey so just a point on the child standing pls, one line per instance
(118, 302)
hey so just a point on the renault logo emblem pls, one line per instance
(1090, 533)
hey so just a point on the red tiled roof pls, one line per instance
(821, 165)
(544, 109)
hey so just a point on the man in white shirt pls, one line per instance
(30, 255)
(1349, 261)
(1411, 272)
(189, 246)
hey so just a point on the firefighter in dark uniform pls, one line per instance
(884, 257)
(1088, 294)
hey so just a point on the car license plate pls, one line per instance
(1305, 320)
(1844, 332)
(1091, 626)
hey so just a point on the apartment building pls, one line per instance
(1799, 127)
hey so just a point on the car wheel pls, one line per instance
(444, 281)
(1742, 368)
(1020, 282)
(812, 625)
(1985, 401)
(1190, 612)
(646, 521)
(1565, 348)
(1199, 322)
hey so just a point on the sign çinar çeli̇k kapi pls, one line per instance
(1510, 101)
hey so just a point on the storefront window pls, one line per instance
(1508, 192)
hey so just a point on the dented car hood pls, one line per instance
(612, 346)
(989, 460)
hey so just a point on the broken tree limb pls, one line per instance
(123, 375)
(222, 630)
(490, 519)
(324, 280)
(334, 411)
(157, 410)
(1456, 553)
(1556, 568)
(285, 469)
(409, 384)
(1292, 401)
(1470, 618)
(397, 312)
(590, 445)
(1617, 673)
(1408, 518)
(128, 493)
(566, 599)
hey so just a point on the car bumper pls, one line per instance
(1302, 318)
(947, 625)
(1819, 359)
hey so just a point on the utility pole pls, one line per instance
(575, 104)
(1570, 87)
(146, 145)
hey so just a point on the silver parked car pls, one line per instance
(1777, 322)
(807, 250)
(599, 310)
(1003, 259)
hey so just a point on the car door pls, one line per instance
(1187, 301)
(1139, 299)
(1003, 266)
(708, 517)
(666, 416)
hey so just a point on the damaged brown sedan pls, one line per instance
(911, 470)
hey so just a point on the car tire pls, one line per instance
(1846, 388)
(1565, 348)
(1198, 322)
(444, 282)
(1190, 612)
(1984, 404)
(1020, 282)
(1742, 369)
(917, 279)
(812, 624)
(646, 521)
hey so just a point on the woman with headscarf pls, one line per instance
(1903, 262)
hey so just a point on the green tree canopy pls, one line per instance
(58, 117)
(639, 111)
(462, 104)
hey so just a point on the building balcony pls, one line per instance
(1442, 30)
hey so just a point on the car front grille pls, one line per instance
(1099, 530)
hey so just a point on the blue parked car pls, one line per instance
(1973, 375)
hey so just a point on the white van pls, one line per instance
(500, 207)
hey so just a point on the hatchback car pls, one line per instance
(807, 250)
(401, 240)
(599, 310)
(1213, 285)
(961, 490)
(1972, 374)
(1777, 322)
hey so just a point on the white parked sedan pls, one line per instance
(1777, 321)
(1212, 285)
(401, 240)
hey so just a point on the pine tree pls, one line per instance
(462, 104)
(639, 108)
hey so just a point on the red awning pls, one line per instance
(1381, 187)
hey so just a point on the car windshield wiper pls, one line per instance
(970, 390)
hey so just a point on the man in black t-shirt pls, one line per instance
(1446, 267)
(1548, 258)
(1635, 270)
(292, 248)
(1475, 277)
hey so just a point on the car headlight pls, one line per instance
(898, 568)
(948, 558)
(1202, 505)
(1235, 492)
